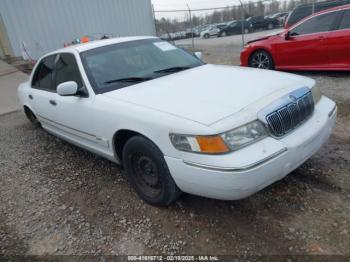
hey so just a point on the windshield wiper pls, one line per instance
(173, 69)
(132, 79)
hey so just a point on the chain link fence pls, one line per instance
(206, 29)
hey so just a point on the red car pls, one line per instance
(318, 42)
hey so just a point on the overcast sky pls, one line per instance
(181, 4)
(194, 4)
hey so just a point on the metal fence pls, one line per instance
(185, 26)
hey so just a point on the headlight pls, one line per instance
(223, 143)
(316, 93)
(244, 135)
(199, 144)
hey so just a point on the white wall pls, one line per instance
(45, 25)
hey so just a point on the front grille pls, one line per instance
(287, 118)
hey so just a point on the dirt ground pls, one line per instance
(59, 199)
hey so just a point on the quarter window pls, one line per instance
(345, 22)
(317, 24)
(67, 70)
(43, 77)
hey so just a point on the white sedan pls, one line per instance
(210, 31)
(175, 123)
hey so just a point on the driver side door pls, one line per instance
(75, 115)
(306, 45)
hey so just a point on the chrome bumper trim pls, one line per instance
(332, 111)
(237, 169)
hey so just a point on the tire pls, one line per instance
(270, 26)
(31, 117)
(223, 34)
(246, 31)
(148, 172)
(206, 36)
(261, 59)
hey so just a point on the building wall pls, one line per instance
(45, 25)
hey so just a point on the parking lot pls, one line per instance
(223, 50)
(59, 199)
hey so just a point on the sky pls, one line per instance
(181, 4)
(194, 4)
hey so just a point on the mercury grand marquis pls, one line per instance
(175, 123)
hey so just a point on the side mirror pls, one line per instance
(289, 35)
(69, 88)
(199, 55)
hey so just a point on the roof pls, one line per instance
(99, 43)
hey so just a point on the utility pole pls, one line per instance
(192, 36)
(154, 19)
(242, 22)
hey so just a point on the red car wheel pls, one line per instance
(262, 60)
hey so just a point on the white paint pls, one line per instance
(206, 100)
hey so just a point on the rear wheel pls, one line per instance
(270, 26)
(206, 36)
(261, 59)
(148, 172)
(246, 30)
(223, 34)
(31, 117)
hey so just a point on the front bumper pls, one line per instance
(244, 57)
(221, 179)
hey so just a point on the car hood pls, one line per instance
(266, 37)
(208, 93)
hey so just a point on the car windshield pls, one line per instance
(120, 65)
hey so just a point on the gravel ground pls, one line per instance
(59, 199)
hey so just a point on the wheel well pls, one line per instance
(28, 111)
(119, 140)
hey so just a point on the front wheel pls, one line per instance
(148, 172)
(206, 36)
(261, 59)
(270, 26)
(223, 34)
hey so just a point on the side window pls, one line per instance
(317, 24)
(43, 77)
(35, 81)
(67, 70)
(345, 22)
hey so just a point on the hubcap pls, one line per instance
(261, 60)
(146, 173)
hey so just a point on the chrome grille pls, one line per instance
(287, 118)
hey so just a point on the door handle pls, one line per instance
(30, 97)
(53, 102)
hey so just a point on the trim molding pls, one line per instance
(237, 169)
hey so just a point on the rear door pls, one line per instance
(339, 43)
(43, 90)
(307, 45)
